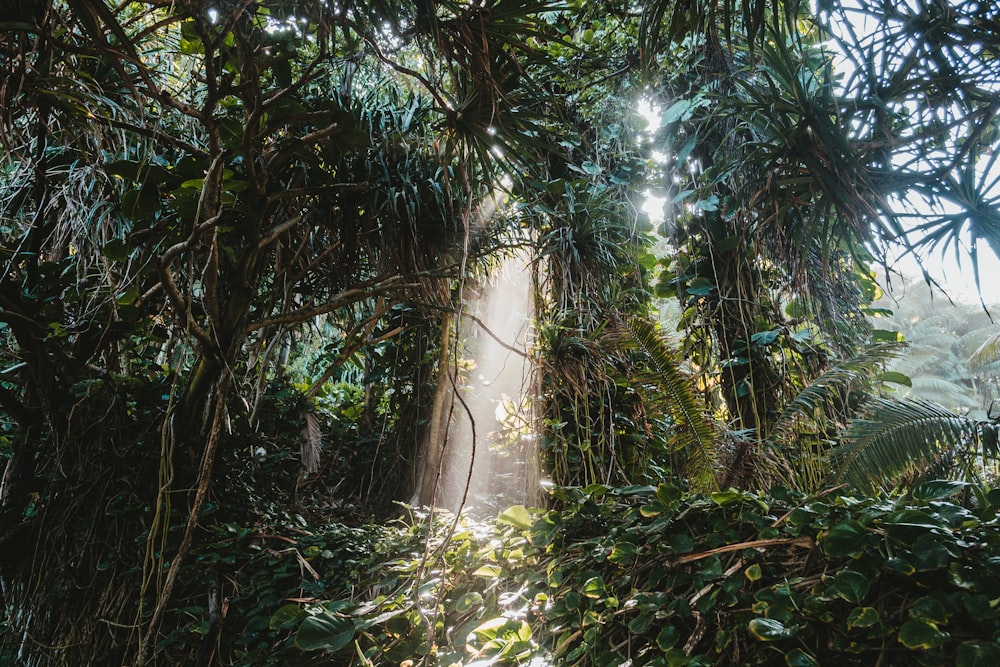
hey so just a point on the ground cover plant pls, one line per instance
(641, 576)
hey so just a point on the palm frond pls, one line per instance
(921, 358)
(972, 340)
(987, 353)
(828, 388)
(941, 390)
(696, 435)
(675, 21)
(897, 437)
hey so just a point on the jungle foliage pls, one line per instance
(239, 239)
(633, 575)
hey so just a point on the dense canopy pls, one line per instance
(241, 239)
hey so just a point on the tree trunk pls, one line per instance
(432, 460)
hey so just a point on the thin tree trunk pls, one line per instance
(434, 447)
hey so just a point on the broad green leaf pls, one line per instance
(862, 617)
(634, 490)
(847, 538)
(285, 617)
(977, 605)
(668, 493)
(708, 205)
(141, 203)
(651, 510)
(384, 617)
(468, 601)
(678, 111)
(851, 586)
(639, 624)
(895, 378)
(900, 565)
(516, 516)
(929, 609)
(937, 489)
(886, 336)
(930, 552)
(799, 658)
(647, 260)
(918, 633)
(765, 338)
(769, 629)
(802, 336)
(728, 243)
(543, 531)
(974, 654)
(524, 631)
(723, 498)
(753, 573)
(667, 638)
(700, 286)
(594, 587)
(489, 629)
(681, 196)
(680, 543)
(488, 571)
(324, 631)
(235, 185)
(623, 551)
(128, 297)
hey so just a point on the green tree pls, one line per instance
(186, 187)
(192, 190)
(786, 178)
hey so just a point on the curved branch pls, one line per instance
(340, 300)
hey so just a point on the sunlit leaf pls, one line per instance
(937, 489)
(469, 601)
(516, 516)
(769, 629)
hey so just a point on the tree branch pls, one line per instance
(340, 300)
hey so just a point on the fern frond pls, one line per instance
(695, 435)
(826, 390)
(987, 353)
(900, 436)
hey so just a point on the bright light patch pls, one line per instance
(654, 207)
(652, 113)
